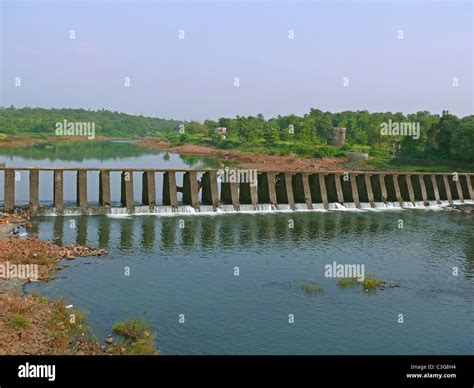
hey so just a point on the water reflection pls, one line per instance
(432, 231)
(76, 151)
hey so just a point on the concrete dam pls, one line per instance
(211, 190)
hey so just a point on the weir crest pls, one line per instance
(203, 191)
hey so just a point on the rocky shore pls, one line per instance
(30, 324)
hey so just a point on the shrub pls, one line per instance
(371, 283)
(19, 322)
(136, 336)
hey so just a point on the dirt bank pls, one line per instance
(31, 324)
(260, 162)
(41, 253)
(248, 160)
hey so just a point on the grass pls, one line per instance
(42, 299)
(19, 322)
(61, 317)
(136, 336)
(389, 164)
(348, 282)
(312, 288)
(372, 282)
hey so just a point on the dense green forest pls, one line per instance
(107, 123)
(441, 137)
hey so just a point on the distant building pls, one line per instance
(222, 132)
(337, 136)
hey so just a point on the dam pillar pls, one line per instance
(81, 188)
(104, 188)
(424, 194)
(370, 193)
(469, 187)
(9, 184)
(411, 193)
(307, 190)
(447, 188)
(126, 192)
(58, 189)
(170, 194)
(396, 185)
(301, 189)
(383, 188)
(266, 188)
(230, 194)
(34, 189)
(210, 195)
(435, 189)
(340, 195)
(284, 189)
(459, 189)
(355, 192)
(148, 188)
(191, 189)
(324, 193)
(248, 193)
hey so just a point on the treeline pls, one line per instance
(442, 136)
(107, 123)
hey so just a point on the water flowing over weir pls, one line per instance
(205, 191)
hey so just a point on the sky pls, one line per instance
(376, 56)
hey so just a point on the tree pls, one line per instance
(462, 142)
(448, 125)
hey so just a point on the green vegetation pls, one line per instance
(348, 282)
(19, 322)
(71, 322)
(445, 140)
(312, 288)
(42, 122)
(136, 336)
(372, 282)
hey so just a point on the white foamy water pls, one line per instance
(260, 208)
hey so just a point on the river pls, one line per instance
(236, 279)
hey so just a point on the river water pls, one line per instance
(186, 265)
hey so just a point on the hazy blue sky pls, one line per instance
(193, 78)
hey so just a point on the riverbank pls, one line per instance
(261, 160)
(31, 324)
(252, 161)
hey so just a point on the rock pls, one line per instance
(109, 340)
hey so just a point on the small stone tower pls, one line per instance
(337, 136)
